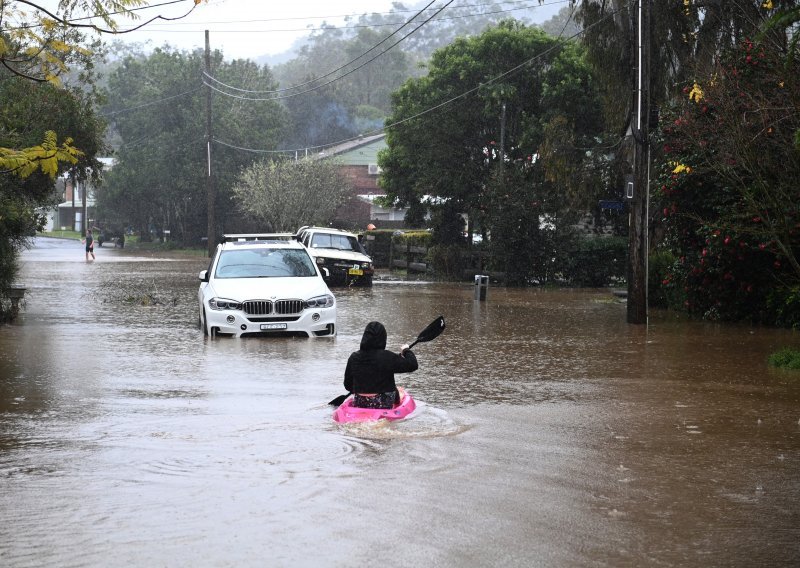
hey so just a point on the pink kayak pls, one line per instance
(346, 412)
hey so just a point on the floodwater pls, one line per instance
(550, 432)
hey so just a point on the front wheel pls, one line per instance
(201, 320)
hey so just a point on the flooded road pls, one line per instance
(551, 433)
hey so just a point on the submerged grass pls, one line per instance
(786, 358)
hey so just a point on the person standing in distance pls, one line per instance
(89, 242)
(369, 374)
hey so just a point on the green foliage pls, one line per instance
(45, 157)
(728, 195)
(40, 41)
(417, 238)
(596, 262)
(359, 100)
(660, 268)
(159, 180)
(448, 261)
(545, 116)
(32, 113)
(786, 358)
(284, 195)
(783, 306)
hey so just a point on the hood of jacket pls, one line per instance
(374, 336)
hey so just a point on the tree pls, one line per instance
(40, 42)
(31, 111)
(497, 130)
(331, 89)
(282, 195)
(729, 197)
(45, 129)
(159, 180)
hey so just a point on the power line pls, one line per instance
(435, 107)
(147, 104)
(337, 78)
(330, 72)
(347, 16)
(349, 27)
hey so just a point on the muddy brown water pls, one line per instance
(550, 432)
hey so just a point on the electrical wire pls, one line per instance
(393, 12)
(374, 47)
(357, 26)
(337, 78)
(175, 149)
(433, 108)
(150, 103)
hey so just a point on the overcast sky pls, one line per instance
(246, 28)
(255, 28)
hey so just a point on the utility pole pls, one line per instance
(74, 181)
(503, 135)
(211, 194)
(85, 207)
(640, 199)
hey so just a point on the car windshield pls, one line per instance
(338, 242)
(264, 263)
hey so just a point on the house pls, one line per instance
(359, 162)
(69, 213)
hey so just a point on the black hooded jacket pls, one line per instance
(371, 369)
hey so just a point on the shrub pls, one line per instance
(661, 294)
(786, 358)
(783, 305)
(447, 261)
(415, 238)
(596, 262)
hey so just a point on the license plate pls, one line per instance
(355, 272)
(268, 326)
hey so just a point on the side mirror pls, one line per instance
(325, 272)
(203, 276)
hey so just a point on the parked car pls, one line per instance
(111, 236)
(340, 254)
(264, 284)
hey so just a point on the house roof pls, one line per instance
(362, 151)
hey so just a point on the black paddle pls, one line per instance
(434, 329)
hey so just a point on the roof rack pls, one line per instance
(316, 228)
(259, 237)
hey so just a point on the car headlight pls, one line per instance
(325, 301)
(223, 304)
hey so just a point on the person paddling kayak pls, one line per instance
(369, 374)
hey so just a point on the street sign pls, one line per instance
(613, 205)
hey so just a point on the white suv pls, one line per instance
(264, 284)
(342, 258)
